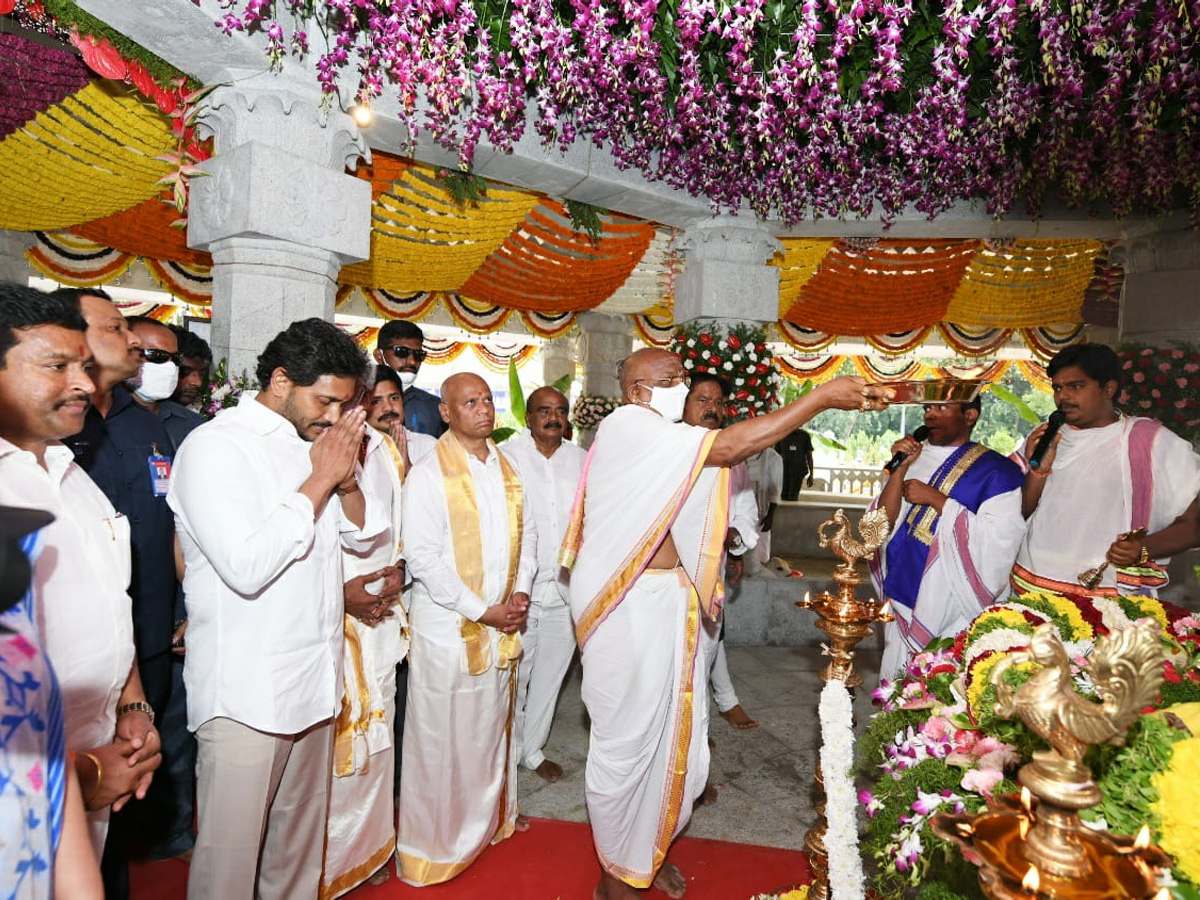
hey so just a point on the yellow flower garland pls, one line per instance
(1179, 798)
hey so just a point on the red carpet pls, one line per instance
(553, 861)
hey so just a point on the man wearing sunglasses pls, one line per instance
(400, 346)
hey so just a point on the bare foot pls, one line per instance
(522, 823)
(551, 771)
(670, 881)
(612, 888)
(380, 876)
(736, 716)
(709, 797)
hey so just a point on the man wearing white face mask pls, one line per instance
(132, 466)
(645, 544)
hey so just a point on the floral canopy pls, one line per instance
(86, 143)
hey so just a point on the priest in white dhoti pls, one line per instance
(361, 830)
(550, 468)
(646, 543)
(955, 509)
(1108, 488)
(470, 546)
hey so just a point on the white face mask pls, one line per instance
(407, 379)
(668, 401)
(156, 381)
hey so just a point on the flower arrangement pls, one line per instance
(590, 410)
(937, 745)
(739, 355)
(223, 390)
(1164, 385)
(801, 109)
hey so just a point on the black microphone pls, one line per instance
(1053, 423)
(894, 463)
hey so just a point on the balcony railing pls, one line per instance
(859, 481)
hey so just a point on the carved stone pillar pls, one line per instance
(604, 341)
(1161, 301)
(277, 212)
(13, 265)
(558, 359)
(725, 276)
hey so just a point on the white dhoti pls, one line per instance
(549, 644)
(458, 783)
(360, 834)
(649, 714)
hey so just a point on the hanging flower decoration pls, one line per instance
(739, 355)
(804, 109)
(937, 745)
(1164, 385)
(590, 410)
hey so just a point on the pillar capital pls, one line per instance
(261, 113)
(725, 276)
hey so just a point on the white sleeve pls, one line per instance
(426, 531)
(980, 548)
(248, 538)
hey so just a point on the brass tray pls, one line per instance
(936, 390)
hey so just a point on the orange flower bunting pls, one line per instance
(797, 264)
(882, 287)
(145, 230)
(546, 265)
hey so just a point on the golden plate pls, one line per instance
(936, 390)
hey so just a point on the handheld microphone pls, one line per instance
(894, 463)
(1053, 423)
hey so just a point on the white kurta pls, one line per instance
(549, 637)
(79, 580)
(263, 585)
(458, 782)
(968, 565)
(1088, 498)
(360, 832)
(644, 680)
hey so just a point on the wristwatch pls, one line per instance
(137, 706)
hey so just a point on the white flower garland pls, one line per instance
(841, 801)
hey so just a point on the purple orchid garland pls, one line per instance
(798, 108)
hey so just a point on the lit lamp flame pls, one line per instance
(1142, 841)
(1032, 881)
(1024, 826)
(1026, 800)
(886, 609)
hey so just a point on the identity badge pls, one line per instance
(160, 474)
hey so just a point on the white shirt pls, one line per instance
(419, 445)
(429, 546)
(743, 510)
(550, 484)
(263, 585)
(80, 583)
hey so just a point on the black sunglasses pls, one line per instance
(406, 352)
(159, 356)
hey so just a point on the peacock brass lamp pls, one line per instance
(847, 620)
(842, 616)
(1037, 846)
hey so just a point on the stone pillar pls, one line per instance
(604, 341)
(725, 276)
(13, 265)
(277, 212)
(1161, 300)
(558, 359)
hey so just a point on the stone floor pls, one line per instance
(764, 776)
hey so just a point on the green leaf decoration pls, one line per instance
(500, 435)
(563, 385)
(586, 218)
(1024, 410)
(516, 394)
(826, 441)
